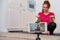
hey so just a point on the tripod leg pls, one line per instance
(38, 39)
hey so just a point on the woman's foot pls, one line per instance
(46, 33)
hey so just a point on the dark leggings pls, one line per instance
(51, 27)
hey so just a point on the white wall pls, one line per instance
(17, 15)
(56, 9)
(3, 15)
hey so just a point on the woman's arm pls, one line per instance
(38, 19)
(46, 0)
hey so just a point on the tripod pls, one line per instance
(38, 36)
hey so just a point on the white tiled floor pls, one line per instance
(24, 36)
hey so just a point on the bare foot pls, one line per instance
(46, 33)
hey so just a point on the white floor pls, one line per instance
(24, 36)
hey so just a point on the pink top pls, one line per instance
(45, 18)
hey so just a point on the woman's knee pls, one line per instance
(53, 24)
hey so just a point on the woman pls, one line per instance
(48, 17)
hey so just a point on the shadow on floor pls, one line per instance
(55, 34)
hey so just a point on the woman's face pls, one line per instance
(45, 8)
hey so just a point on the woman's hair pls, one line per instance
(47, 3)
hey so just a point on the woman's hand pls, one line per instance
(38, 18)
(46, 0)
(52, 18)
